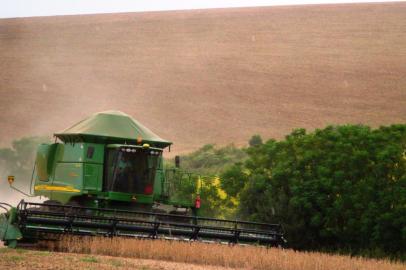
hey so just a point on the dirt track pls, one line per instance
(198, 77)
(27, 260)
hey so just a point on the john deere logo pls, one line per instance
(10, 179)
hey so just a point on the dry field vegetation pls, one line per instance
(207, 76)
(212, 255)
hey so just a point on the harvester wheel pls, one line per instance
(52, 206)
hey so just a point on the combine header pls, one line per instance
(106, 177)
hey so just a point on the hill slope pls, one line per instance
(203, 76)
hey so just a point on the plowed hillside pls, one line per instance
(204, 76)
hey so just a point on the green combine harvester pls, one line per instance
(105, 176)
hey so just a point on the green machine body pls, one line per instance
(109, 160)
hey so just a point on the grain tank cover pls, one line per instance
(111, 127)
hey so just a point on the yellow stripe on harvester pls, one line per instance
(56, 188)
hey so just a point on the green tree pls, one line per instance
(211, 159)
(339, 187)
(255, 140)
(233, 179)
(209, 162)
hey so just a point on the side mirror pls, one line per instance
(10, 179)
(177, 161)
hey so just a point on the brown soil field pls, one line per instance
(108, 253)
(205, 76)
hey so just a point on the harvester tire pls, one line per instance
(52, 206)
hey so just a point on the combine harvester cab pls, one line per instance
(106, 177)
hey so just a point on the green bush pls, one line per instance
(336, 188)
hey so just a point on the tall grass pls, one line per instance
(247, 257)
